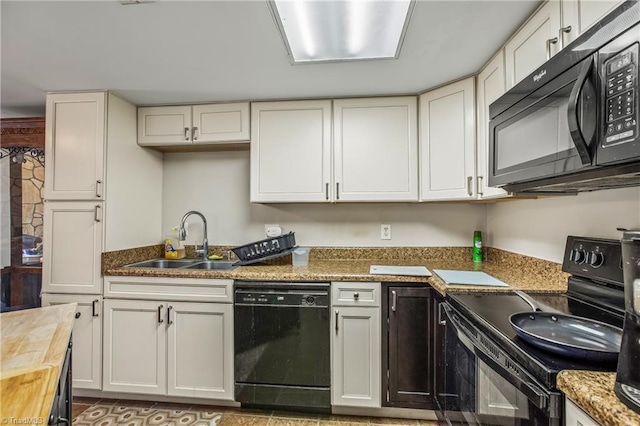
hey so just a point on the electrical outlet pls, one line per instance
(272, 230)
(385, 231)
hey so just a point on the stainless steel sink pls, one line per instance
(214, 264)
(164, 263)
(225, 265)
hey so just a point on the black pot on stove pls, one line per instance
(627, 386)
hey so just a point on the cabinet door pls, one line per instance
(221, 123)
(491, 85)
(74, 146)
(72, 247)
(169, 125)
(580, 15)
(200, 350)
(376, 149)
(447, 142)
(291, 151)
(534, 43)
(135, 346)
(575, 416)
(87, 338)
(409, 378)
(356, 357)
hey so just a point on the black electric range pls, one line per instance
(484, 354)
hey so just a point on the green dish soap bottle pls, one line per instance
(477, 246)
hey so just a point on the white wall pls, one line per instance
(217, 185)
(539, 228)
(5, 217)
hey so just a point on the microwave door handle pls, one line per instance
(573, 114)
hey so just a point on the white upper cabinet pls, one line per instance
(291, 151)
(376, 149)
(164, 125)
(447, 142)
(579, 15)
(534, 43)
(74, 147)
(198, 124)
(490, 86)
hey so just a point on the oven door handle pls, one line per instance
(535, 394)
(573, 112)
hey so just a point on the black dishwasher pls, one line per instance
(282, 349)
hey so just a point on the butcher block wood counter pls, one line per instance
(33, 346)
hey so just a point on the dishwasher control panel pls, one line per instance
(279, 297)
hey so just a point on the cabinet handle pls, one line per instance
(94, 310)
(440, 320)
(480, 193)
(169, 321)
(186, 133)
(160, 320)
(562, 32)
(194, 133)
(394, 300)
(98, 189)
(356, 295)
(337, 313)
(326, 190)
(96, 213)
(549, 43)
(469, 188)
(337, 190)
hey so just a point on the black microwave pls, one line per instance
(572, 125)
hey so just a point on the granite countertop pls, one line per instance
(593, 392)
(33, 345)
(519, 272)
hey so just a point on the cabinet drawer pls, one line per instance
(178, 289)
(355, 294)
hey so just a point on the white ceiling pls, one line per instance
(208, 51)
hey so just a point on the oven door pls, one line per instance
(483, 386)
(549, 132)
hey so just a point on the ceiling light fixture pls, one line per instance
(341, 30)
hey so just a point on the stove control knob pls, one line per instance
(597, 259)
(579, 256)
(311, 300)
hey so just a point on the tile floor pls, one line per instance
(183, 413)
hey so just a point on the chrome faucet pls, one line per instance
(182, 233)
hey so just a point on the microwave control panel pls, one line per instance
(621, 78)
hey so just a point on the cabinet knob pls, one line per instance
(356, 295)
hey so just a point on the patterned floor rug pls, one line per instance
(110, 415)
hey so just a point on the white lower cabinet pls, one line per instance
(87, 337)
(356, 352)
(199, 342)
(168, 347)
(575, 416)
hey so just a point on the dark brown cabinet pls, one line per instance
(408, 355)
